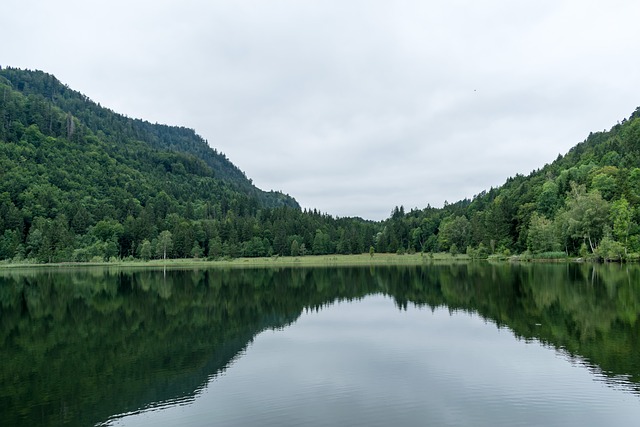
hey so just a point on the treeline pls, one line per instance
(585, 203)
(44, 93)
(81, 183)
(93, 185)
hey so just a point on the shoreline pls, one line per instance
(274, 261)
(286, 261)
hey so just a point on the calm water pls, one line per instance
(437, 345)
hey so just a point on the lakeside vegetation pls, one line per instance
(333, 260)
(276, 261)
(81, 183)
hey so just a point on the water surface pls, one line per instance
(452, 345)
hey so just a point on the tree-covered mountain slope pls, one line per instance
(586, 202)
(79, 182)
(45, 95)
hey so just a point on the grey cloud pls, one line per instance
(351, 107)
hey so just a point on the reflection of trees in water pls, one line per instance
(110, 341)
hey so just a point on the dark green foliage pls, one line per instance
(589, 197)
(81, 183)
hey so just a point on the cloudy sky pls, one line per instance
(352, 107)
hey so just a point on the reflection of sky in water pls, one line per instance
(368, 363)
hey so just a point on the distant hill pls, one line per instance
(79, 182)
(586, 203)
(47, 100)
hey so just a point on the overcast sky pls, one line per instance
(352, 107)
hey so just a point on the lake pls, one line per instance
(459, 344)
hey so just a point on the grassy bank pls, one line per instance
(275, 261)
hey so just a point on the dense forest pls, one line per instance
(585, 203)
(79, 182)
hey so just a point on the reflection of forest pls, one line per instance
(80, 346)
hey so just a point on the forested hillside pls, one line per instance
(44, 91)
(80, 182)
(584, 203)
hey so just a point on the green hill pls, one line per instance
(46, 98)
(81, 182)
(584, 203)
